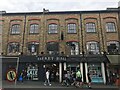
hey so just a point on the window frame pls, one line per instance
(15, 29)
(52, 28)
(110, 27)
(113, 42)
(96, 47)
(36, 47)
(34, 29)
(91, 27)
(71, 28)
(13, 45)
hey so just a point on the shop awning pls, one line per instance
(114, 59)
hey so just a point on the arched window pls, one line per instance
(34, 28)
(72, 28)
(72, 48)
(113, 47)
(52, 48)
(92, 47)
(52, 28)
(33, 48)
(90, 27)
(13, 47)
(15, 29)
(110, 27)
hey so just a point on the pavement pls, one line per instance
(39, 84)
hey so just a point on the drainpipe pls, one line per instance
(23, 41)
(83, 53)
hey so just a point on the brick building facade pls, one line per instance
(63, 40)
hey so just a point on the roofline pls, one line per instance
(61, 12)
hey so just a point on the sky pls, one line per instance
(56, 5)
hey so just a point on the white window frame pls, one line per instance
(72, 28)
(52, 28)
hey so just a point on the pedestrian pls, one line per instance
(78, 78)
(21, 77)
(73, 78)
(89, 80)
(47, 80)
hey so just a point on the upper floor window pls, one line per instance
(72, 48)
(90, 27)
(34, 28)
(13, 47)
(52, 48)
(72, 28)
(33, 48)
(113, 47)
(92, 47)
(53, 28)
(15, 29)
(110, 27)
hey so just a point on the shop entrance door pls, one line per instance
(54, 71)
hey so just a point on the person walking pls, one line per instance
(21, 77)
(78, 78)
(47, 80)
(89, 80)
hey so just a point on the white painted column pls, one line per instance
(86, 71)
(65, 66)
(103, 72)
(81, 69)
(60, 72)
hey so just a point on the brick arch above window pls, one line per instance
(53, 41)
(109, 18)
(55, 19)
(71, 19)
(13, 42)
(72, 41)
(92, 41)
(90, 18)
(33, 42)
(16, 19)
(34, 19)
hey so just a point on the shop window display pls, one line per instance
(95, 72)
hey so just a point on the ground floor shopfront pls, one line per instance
(34, 67)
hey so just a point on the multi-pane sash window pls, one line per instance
(90, 27)
(13, 47)
(71, 28)
(113, 47)
(52, 28)
(34, 28)
(15, 29)
(110, 27)
(92, 48)
(33, 48)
